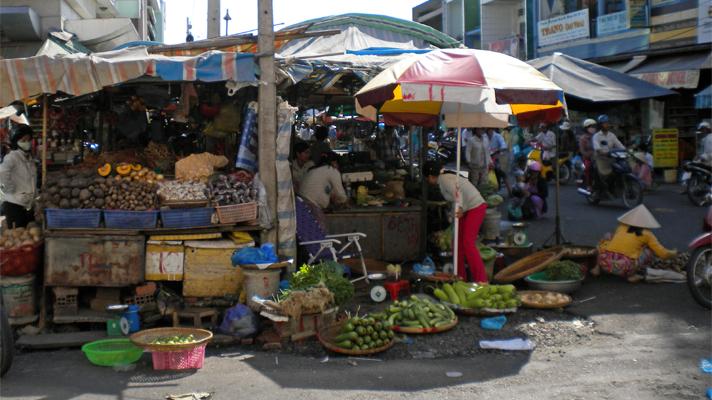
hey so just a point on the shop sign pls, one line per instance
(508, 46)
(564, 28)
(665, 147)
(638, 11)
(704, 21)
(688, 79)
(612, 23)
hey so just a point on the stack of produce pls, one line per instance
(473, 296)
(443, 239)
(175, 339)
(563, 270)
(329, 274)
(130, 172)
(74, 189)
(365, 333)
(130, 195)
(227, 190)
(545, 298)
(159, 155)
(419, 313)
(18, 237)
(182, 191)
(311, 301)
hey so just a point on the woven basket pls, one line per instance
(528, 265)
(326, 337)
(144, 338)
(237, 213)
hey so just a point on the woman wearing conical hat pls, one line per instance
(633, 246)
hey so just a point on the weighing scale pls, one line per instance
(517, 236)
(125, 320)
(377, 292)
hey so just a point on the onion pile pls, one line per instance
(13, 238)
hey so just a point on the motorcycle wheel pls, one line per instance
(632, 192)
(7, 342)
(699, 276)
(697, 190)
(564, 174)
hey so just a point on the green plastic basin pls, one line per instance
(111, 352)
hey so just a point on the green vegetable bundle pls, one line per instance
(470, 295)
(419, 313)
(563, 270)
(330, 274)
(365, 333)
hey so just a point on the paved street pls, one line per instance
(647, 342)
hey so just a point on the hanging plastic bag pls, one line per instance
(264, 214)
(239, 321)
(492, 179)
(264, 254)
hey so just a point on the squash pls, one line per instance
(136, 167)
(104, 170)
(123, 169)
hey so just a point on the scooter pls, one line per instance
(698, 175)
(699, 266)
(620, 183)
(547, 169)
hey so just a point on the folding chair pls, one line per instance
(321, 246)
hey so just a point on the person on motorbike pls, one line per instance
(547, 139)
(478, 157)
(586, 149)
(567, 141)
(632, 247)
(703, 130)
(603, 142)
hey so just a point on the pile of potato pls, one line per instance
(182, 191)
(130, 195)
(13, 238)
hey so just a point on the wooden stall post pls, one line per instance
(267, 122)
(44, 139)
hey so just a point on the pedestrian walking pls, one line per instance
(18, 179)
(478, 158)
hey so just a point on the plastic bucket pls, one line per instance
(670, 175)
(18, 294)
(490, 225)
(261, 283)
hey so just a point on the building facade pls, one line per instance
(99, 25)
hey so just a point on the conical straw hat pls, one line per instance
(639, 217)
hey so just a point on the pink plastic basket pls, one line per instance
(185, 359)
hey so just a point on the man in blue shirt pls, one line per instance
(498, 150)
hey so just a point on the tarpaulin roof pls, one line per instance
(382, 26)
(593, 82)
(79, 74)
(703, 99)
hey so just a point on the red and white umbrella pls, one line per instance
(469, 88)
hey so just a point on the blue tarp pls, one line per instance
(703, 99)
(593, 82)
(386, 51)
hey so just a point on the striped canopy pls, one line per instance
(78, 74)
(470, 88)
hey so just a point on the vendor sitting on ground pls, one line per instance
(322, 184)
(470, 210)
(301, 163)
(632, 247)
(529, 197)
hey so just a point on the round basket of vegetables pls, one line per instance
(563, 276)
(358, 336)
(170, 339)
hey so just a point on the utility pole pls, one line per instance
(267, 119)
(213, 18)
(227, 21)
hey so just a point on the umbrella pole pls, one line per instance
(44, 139)
(456, 224)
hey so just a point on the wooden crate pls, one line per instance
(306, 326)
(208, 270)
(164, 260)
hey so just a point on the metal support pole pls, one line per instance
(44, 139)
(267, 117)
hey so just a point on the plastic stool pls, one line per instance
(394, 288)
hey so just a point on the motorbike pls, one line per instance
(698, 175)
(699, 266)
(547, 168)
(7, 343)
(620, 183)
